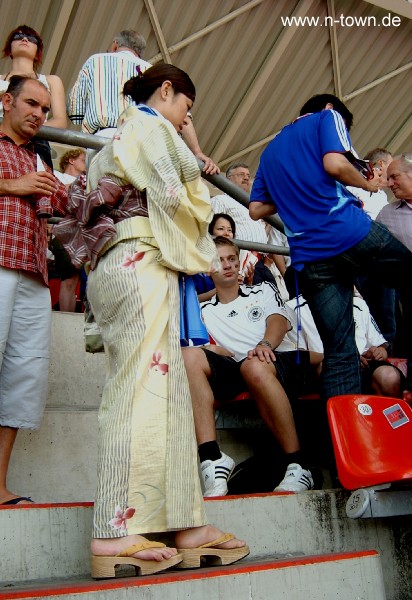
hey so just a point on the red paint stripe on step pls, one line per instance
(49, 590)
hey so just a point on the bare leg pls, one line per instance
(7, 439)
(272, 402)
(386, 381)
(67, 296)
(198, 371)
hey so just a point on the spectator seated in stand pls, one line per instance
(378, 375)
(247, 229)
(224, 226)
(255, 350)
(72, 164)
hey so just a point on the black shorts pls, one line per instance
(293, 369)
(63, 265)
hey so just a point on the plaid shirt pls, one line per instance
(23, 241)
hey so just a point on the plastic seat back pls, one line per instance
(372, 439)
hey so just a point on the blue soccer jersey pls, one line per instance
(322, 218)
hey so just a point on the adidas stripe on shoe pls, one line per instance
(295, 480)
(215, 474)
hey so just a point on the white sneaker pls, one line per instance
(215, 474)
(295, 480)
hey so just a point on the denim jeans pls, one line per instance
(328, 288)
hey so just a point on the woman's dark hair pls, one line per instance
(317, 104)
(140, 88)
(222, 216)
(27, 31)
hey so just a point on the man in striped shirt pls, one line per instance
(96, 100)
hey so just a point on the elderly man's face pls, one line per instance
(400, 181)
(241, 178)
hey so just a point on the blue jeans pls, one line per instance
(328, 288)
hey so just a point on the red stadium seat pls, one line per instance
(372, 439)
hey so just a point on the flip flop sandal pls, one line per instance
(209, 555)
(16, 501)
(105, 566)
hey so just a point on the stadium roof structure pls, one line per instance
(254, 62)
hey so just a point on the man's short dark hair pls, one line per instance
(224, 241)
(131, 39)
(317, 104)
(236, 166)
(16, 84)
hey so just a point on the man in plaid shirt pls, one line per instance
(25, 320)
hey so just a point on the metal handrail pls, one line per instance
(96, 142)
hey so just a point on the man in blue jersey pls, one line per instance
(303, 174)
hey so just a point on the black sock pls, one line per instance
(296, 457)
(209, 451)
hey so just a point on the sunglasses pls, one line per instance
(23, 36)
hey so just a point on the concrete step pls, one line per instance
(57, 463)
(52, 541)
(339, 576)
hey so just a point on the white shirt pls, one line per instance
(64, 177)
(246, 228)
(372, 203)
(367, 333)
(239, 325)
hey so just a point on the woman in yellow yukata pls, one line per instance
(145, 220)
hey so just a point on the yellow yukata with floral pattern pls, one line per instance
(147, 466)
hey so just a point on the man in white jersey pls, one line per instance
(247, 324)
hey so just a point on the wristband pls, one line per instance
(265, 343)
